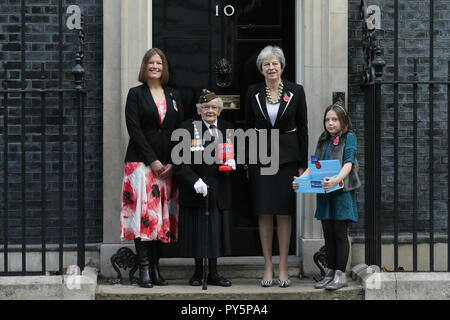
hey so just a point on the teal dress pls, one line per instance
(339, 205)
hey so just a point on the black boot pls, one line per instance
(142, 256)
(155, 253)
(196, 279)
(214, 278)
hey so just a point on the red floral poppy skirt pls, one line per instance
(149, 205)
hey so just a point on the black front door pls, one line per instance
(199, 36)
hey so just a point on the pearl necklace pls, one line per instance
(269, 97)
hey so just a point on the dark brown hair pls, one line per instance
(143, 71)
(344, 119)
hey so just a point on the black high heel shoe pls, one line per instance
(267, 283)
(284, 283)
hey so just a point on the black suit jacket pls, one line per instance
(149, 139)
(291, 120)
(187, 175)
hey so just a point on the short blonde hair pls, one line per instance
(143, 70)
(270, 52)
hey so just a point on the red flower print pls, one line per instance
(128, 234)
(130, 167)
(153, 192)
(148, 215)
(129, 197)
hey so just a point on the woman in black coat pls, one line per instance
(149, 213)
(194, 180)
(277, 104)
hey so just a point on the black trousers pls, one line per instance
(336, 243)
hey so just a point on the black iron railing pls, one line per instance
(375, 88)
(49, 100)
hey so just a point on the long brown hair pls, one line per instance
(143, 70)
(344, 119)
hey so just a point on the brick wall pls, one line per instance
(414, 40)
(41, 45)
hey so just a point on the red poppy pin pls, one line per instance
(286, 98)
(318, 165)
(335, 141)
(340, 184)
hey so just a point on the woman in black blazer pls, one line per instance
(277, 104)
(149, 213)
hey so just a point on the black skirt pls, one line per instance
(192, 239)
(273, 194)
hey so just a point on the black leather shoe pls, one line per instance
(217, 280)
(196, 280)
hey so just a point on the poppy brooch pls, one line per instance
(336, 141)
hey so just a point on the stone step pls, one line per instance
(241, 289)
(229, 267)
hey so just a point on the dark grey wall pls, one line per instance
(41, 45)
(414, 42)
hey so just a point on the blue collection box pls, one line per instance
(312, 183)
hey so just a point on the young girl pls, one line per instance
(336, 209)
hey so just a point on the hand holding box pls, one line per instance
(319, 170)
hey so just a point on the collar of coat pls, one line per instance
(285, 102)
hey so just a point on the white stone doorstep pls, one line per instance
(74, 286)
(402, 285)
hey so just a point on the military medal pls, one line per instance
(229, 134)
(173, 101)
(197, 143)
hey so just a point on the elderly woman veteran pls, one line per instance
(194, 180)
(276, 104)
(149, 210)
